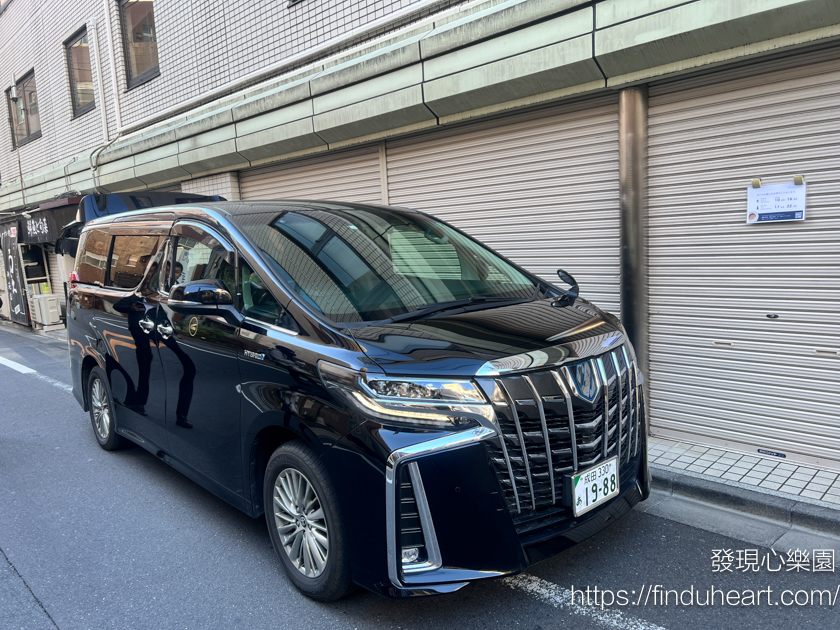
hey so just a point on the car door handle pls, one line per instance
(164, 330)
(146, 325)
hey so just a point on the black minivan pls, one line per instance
(410, 410)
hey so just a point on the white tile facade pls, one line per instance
(224, 184)
(202, 45)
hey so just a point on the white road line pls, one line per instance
(62, 386)
(27, 370)
(16, 366)
(560, 597)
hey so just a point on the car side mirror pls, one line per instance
(569, 295)
(203, 294)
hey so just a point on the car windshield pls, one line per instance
(369, 264)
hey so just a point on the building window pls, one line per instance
(140, 40)
(23, 110)
(81, 78)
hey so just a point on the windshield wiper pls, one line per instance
(428, 309)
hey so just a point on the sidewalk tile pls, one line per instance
(811, 494)
(732, 476)
(716, 452)
(796, 483)
(775, 486)
(696, 468)
(832, 498)
(679, 465)
(819, 487)
(790, 489)
(780, 479)
(713, 473)
(749, 459)
(752, 481)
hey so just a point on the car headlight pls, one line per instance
(429, 402)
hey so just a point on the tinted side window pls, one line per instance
(199, 256)
(258, 302)
(129, 259)
(94, 258)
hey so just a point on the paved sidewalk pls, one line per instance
(780, 478)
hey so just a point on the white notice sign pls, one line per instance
(776, 202)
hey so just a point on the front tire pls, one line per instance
(101, 405)
(304, 523)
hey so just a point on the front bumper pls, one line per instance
(470, 533)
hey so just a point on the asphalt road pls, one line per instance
(92, 539)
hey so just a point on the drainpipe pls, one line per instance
(632, 174)
(94, 156)
(113, 64)
(100, 89)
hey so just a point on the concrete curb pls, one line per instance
(798, 514)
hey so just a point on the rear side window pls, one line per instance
(94, 257)
(129, 259)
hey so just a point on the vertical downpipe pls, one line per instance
(632, 173)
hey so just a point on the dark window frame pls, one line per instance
(30, 136)
(143, 77)
(68, 44)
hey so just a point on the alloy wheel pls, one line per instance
(101, 409)
(300, 521)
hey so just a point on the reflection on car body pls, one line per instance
(407, 408)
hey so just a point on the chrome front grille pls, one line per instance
(555, 422)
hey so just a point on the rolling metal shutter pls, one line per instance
(540, 188)
(346, 176)
(721, 371)
(56, 282)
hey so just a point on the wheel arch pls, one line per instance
(87, 367)
(267, 440)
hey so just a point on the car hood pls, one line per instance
(490, 341)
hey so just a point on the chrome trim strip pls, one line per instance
(433, 559)
(447, 442)
(522, 445)
(619, 382)
(509, 465)
(606, 390)
(638, 411)
(271, 327)
(630, 394)
(541, 411)
(570, 412)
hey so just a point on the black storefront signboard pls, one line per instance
(15, 284)
(44, 226)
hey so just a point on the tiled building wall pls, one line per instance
(32, 33)
(202, 45)
(224, 184)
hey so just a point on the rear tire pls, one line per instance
(305, 524)
(101, 407)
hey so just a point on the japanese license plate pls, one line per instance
(595, 486)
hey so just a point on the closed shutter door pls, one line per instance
(56, 282)
(540, 188)
(721, 370)
(347, 176)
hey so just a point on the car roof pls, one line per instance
(234, 209)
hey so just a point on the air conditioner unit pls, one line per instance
(46, 309)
